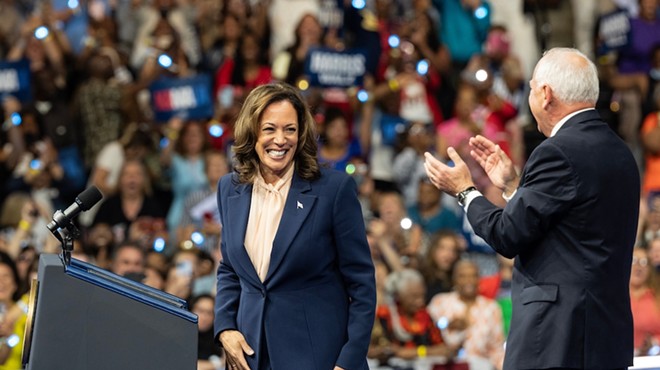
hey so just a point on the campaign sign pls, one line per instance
(15, 80)
(188, 97)
(331, 68)
(331, 15)
(613, 30)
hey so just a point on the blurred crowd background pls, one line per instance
(138, 98)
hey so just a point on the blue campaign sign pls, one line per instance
(331, 68)
(331, 15)
(15, 80)
(613, 31)
(188, 97)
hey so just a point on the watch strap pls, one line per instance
(463, 194)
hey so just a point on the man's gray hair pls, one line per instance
(570, 82)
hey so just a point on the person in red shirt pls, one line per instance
(410, 331)
(242, 73)
(644, 303)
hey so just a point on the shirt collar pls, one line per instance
(288, 175)
(566, 118)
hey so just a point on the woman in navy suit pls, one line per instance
(296, 283)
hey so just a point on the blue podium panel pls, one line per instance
(88, 318)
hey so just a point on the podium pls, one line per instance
(83, 317)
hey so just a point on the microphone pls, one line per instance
(84, 201)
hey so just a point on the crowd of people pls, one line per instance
(437, 72)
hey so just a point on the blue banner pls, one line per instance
(189, 98)
(332, 68)
(15, 80)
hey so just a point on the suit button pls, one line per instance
(263, 292)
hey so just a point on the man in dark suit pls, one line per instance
(570, 223)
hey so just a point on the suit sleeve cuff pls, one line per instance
(470, 197)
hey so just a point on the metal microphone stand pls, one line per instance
(66, 235)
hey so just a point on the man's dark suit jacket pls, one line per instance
(571, 226)
(316, 307)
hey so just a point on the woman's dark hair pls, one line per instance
(141, 139)
(331, 114)
(5, 259)
(430, 268)
(246, 132)
(297, 40)
(238, 75)
(432, 39)
(180, 145)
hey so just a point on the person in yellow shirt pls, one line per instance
(12, 315)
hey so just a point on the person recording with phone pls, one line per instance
(200, 212)
(182, 273)
(165, 58)
(12, 315)
(128, 258)
(296, 283)
(133, 212)
(27, 231)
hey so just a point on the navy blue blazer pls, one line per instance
(571, 226)
(316, 307)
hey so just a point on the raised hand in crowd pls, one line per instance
(29, 214)
(45, 169)
(15, 148)
(172, 131)
(383, 245)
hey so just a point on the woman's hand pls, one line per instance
(235, 348)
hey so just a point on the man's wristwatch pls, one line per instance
(463, 195)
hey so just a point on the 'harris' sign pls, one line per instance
(15, 80)
(185, 97)
(613, 31)
(331, 68)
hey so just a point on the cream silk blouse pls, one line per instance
(266, 211)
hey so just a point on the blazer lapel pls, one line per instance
(238, 208)
(296, 209)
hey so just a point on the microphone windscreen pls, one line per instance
(88, 198)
